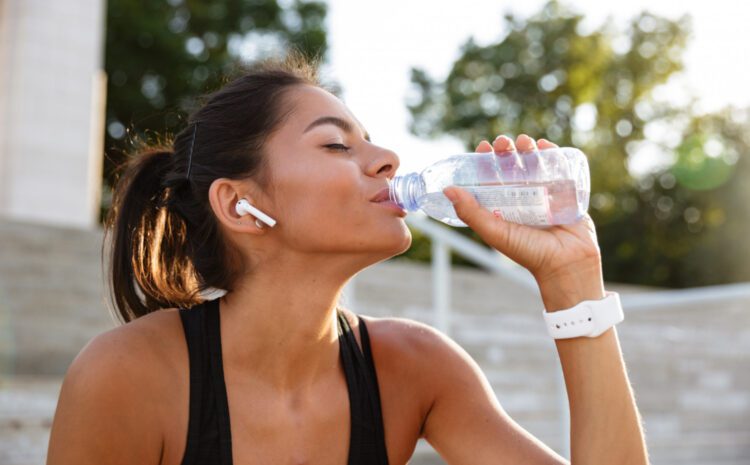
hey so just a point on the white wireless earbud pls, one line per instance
(243, 207)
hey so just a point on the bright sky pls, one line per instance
(374, 44)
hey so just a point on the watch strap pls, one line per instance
(588, 318)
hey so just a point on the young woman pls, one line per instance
(274, 371)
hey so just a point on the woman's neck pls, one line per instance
(279, 326)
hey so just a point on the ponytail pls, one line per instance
(167, 246)
(149, 256)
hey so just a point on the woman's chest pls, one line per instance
(310, 427)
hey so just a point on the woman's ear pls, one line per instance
(224, 195)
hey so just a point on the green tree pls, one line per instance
(596, 91)
(163, 54)
(693, 219)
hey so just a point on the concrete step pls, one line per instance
(687, 363)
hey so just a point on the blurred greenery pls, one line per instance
(163, 54)
(602, 90)
(680, 224)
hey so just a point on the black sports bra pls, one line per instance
(209, 439)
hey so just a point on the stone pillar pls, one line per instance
(52, 101)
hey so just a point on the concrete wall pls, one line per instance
(51, 110)
(688, 363)
(51, 296)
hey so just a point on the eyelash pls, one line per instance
(337, 147)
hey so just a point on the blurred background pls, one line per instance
(655, 93)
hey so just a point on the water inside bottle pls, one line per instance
(532, 203)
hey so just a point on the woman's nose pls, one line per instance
(387, 162)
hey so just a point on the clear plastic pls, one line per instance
(538, 188)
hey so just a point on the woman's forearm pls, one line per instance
(605, 423)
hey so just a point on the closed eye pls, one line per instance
(337, 147)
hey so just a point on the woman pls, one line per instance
(274, 371)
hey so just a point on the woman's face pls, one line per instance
(325, 173)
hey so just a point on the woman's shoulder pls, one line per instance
(121, 389)
(415, 362)
(143, 349)
(407, 346)
(403, 334)
(152, 333)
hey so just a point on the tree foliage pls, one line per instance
(598, 91)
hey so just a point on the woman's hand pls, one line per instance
(564, 259)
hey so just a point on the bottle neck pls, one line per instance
(406, 190)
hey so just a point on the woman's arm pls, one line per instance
(466, 424)
(605, 424)
(105, 413)
(566, 263)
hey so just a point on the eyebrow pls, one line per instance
(343, 124)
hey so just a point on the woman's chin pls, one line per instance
(403, 245)
(394, 245)
(407, 242)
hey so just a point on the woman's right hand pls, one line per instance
(559, 257)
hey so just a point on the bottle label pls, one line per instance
(518, 204)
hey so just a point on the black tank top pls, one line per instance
(209, 440)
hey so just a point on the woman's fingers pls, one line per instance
(493, 229)
(484, 146)
(545, 144)
(525, 143)
(503, 144)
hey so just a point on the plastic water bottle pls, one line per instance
(538, 188)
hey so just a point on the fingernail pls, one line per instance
(507, 141)
(526, 140)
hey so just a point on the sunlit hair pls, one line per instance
(165, 245)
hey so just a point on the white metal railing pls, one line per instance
(676, 298)
(444, 240)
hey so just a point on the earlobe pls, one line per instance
(258, 223)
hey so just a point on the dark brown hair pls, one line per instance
(166, 246)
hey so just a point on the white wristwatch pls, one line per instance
(589, 318)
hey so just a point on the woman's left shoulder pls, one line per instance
(411, 345)
(403, 333)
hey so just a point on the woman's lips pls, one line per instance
(382, 194)
(392, 206)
